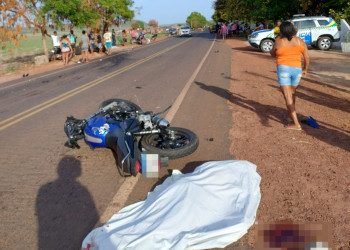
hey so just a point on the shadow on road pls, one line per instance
(335, 137)
(65, 209)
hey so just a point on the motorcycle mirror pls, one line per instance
(165, 110)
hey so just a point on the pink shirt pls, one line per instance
(224, 29)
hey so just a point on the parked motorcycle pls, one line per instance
(55, 53)
(140, 40)
(123, 127)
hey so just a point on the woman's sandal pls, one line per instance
(290, 126)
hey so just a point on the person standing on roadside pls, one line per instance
(72, 39)
(125, 37)
(66, 48)
(99, 43)
(224, 31)
(234, 28)
(107, 41)
(288, 50)
(276, 30)
(84, 47)
(56, 43)
(114, 42)
(92, 42)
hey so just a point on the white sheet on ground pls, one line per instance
(211, 207)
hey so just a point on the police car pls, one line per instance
(317, 31)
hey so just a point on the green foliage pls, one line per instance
(141, 24)
(74, 11)
(196, 20)
(344, 13)
(261, 10)
(10, 68)
(138, 24)
(111, 12)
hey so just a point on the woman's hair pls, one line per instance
(64, 36)
(84, 32)
(288, 30)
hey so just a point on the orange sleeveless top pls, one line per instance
(290, 56)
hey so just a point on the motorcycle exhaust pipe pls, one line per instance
(147, 132)
(160, 122)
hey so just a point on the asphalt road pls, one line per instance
(52, 196)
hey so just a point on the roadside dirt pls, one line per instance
(305, 174)
(24, 67)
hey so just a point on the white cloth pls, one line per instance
(55, 40)
(211, 207)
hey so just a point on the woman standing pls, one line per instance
(66, 48)
(288, 50)
(84, 46)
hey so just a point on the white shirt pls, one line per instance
(55, 40)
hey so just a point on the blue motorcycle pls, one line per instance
(123, 127)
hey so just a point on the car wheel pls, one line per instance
(266, 45)
(324, 43)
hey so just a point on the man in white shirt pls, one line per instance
(55, 39)
(107, 40)
(56, 44)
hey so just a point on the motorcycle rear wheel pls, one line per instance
(124, 105)
(184, 143)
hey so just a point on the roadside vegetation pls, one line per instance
(40, 15)
(263, 10)
(196, 20)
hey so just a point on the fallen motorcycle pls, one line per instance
(123, 127)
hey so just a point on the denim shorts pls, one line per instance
(288, 75)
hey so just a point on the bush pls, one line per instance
(344, 14)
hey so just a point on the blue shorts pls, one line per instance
(288, 75)
(108, 44)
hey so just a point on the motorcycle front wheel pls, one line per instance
(174, 143)
(123, 105)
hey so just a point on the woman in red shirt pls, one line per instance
(288, 50)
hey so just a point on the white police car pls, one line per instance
(317, 31)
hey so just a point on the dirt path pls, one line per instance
(305, 174)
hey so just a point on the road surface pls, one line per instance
(52, 196)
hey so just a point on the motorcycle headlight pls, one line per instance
(74, 128)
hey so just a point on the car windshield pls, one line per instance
(185, 27)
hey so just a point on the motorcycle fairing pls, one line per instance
(96, 130)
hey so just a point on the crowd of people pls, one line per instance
(90, 43)
(235, 28)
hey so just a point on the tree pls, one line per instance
(260, 10)
(112, 12)
(138, 24)
(135, 25)
(196, 20)
(75, 12)
(28, 12)
(40, 14)
(10, 29)
(153, 23)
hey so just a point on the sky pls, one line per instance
(172, 11)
